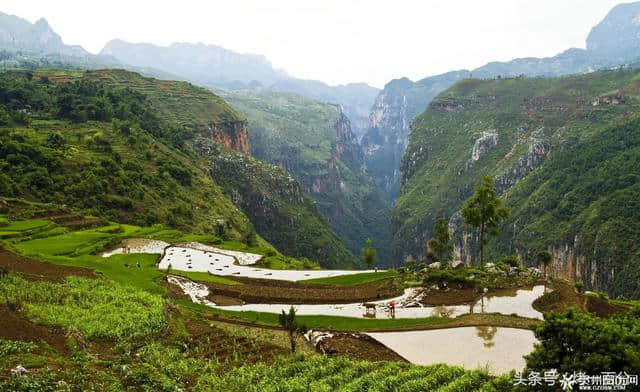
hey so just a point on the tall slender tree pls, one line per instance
(484, 211)
(544, 259)
(369, 255)
(439, 247)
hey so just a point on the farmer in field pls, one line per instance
(392, 309)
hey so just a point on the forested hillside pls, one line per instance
(314, 142)
(562, 152)
(121, 146)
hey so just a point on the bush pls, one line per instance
(448, 277)
(511, 261)
(11, 347)
(577, 342)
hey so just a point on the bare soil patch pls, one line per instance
(602, 308)
(434, 297)
(358, 347)
(275, 291)
(564, 296)
(213, 342)
(35, 270)
(15, 326)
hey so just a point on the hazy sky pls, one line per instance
(337, 41)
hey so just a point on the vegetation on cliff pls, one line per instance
(314, 142)
(562, 153)
(121, 146)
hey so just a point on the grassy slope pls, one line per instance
(58, 245)
(583, 188)
(299, 134)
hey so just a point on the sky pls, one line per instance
(336, 41)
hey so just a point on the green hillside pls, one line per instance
(313, 141)
(562, 151)
(120, 146)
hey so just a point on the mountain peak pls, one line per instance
(619, 30)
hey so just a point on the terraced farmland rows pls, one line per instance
(323, 373)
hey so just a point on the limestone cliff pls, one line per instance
(564, 155)
(315, 142)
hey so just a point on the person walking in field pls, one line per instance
(392, 309)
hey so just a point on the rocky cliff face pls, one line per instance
(564, 164)
(315, 142)
(618, 31)
(611, 43)
(21, 35)
(390, 119)
(234, 136)
(276, 205)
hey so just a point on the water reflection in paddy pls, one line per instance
(516, 301)
(502, 349)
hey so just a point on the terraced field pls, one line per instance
(326, 374)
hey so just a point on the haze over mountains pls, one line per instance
(358, 171)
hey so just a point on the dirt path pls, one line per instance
(35, 270)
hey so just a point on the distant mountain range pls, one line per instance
(217, 67)
(613, 42)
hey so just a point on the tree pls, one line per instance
(290, 324)
(577, 342)
(485, 212)
(369, 255)
(544, 259)
(55, 140)
(439, 247)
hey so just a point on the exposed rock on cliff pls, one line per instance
(276, 205)
(234, 136)
(390, 118)
(566, 168)
(315, 142)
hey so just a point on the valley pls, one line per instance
(185, 217)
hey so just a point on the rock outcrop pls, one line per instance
(390, 119)
(571, 187)
(276, 205)
(234, 136)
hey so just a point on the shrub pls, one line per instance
(510, 260)
(11, 347)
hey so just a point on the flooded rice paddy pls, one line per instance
(500, 349)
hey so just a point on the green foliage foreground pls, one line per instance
(160, 369)
(321, 373)
(99, 309)
(573, 341)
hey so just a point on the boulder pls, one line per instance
(437, 264)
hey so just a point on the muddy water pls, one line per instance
(138, 245)
(506, 302)
(501, 349)
(183, 258)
